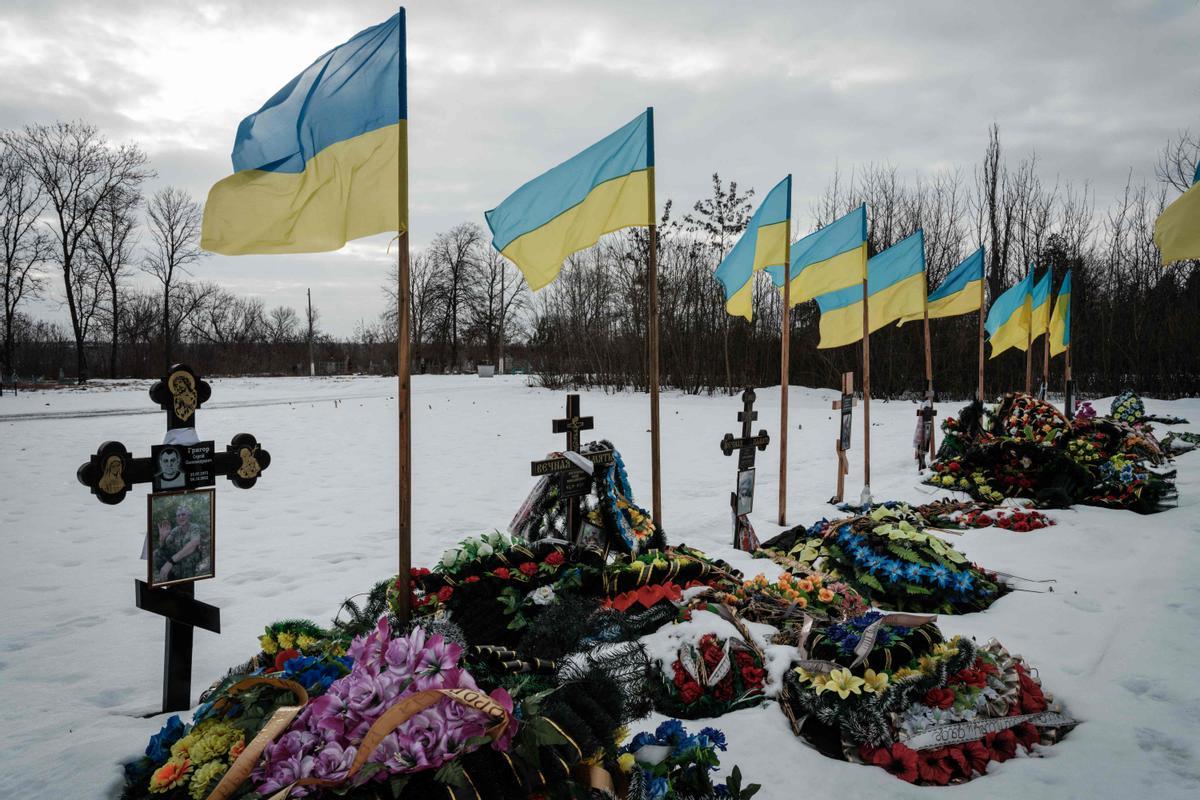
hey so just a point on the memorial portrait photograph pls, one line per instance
(182, 536)
(745, 491)
(168, 467)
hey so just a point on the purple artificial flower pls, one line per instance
(438, 656)
(334, 760)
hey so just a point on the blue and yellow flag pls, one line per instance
(321, 162)
(960, 293)
(895, 288)
(1060, 320)
(1039, 320)
(603, 189)
(1008, 319)
(1177, 231)
(763, 244)
(833, 258)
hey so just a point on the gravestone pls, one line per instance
(741, 501)
(574, 480)
(180, 466)
(923, 441)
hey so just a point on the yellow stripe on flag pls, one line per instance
(842, 326)
(1177, 231)
(348, 190)
(839, 272)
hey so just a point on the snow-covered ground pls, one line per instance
(1118, 640)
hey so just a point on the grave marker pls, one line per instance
(574, 481)
(923, 443)
(846, 406)
(742, 500)
(180, 463)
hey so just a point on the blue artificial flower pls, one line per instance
(894, 571)
(715, 736)
(875, 563)
(656, 787)
(940, 575)
(670, 732)
(159, 748)
(963, 581)
(639, 741)
(721, 791)
(913, 573)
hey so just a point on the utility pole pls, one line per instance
(312, 364)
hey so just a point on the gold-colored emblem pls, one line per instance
(113, 479)
(250, 467)
(183, 391)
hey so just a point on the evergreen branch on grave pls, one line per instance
(361, 619)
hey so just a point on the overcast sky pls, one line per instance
(500, 91)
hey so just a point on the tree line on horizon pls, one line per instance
(75, 225)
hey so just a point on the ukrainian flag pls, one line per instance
(1060, 320)
(1039, 320)
(1177, 231)
(321, 162)
(1007, 322)
(607, 187)
(895, 288)
(960, 293)
(833, 258)
(763, 244)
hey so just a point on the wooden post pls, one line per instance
(842, 444)
(652, 335)
(1046, 364)
(866, 384)
(784, 368)
(1029, 354)
(982, 308)
(403, 380)
(928, 363)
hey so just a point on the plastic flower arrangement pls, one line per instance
(811, 592)
(299, 635)
(323, 740)
(898, 718)
(671, 764)
(1008, 519)
(711, 678)
(473, 549)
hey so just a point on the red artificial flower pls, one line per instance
(284, 656)
(970, 677)
(1003, 745)
(1027, 735)
(743, 658)
(691, 692)
(1032, 699)
(753, 677)
(898, 760)
(712, 655)
(932, 768)
(724, 690)
(939, 698)
(681, 676)
(554, 558)
(956, 761)
(444, 594)
(472, 579)
(978, 755)
(529, 569)
(502, 573)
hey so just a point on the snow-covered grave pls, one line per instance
(1118, 639)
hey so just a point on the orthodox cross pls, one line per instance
(182, 462)
(574, 481)
(846, 406)
(925, 413)
(742, 500)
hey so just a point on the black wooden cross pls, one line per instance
(925, 413)
(746, 443)
(573, 481)
(846, 406)
(182, 463)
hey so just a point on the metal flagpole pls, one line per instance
(784, 357)
(402, 364)
(652, 332)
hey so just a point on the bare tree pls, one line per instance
(283, 325)
(22, 245)
(455, 254)
(78, 171)
(174, 219)
(496, 292)
(1179, 161)
(108, 249)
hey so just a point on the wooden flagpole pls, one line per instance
(982, 309)
(652, 334)
(1029, 353)
(403, 357)
(784, 356)
(928, 363)
(866, 386)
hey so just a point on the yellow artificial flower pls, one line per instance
(626, 761)
(304, 641)
(286, 640)
(205, 778)
(904, 672)
(927, 664)
(875, 681)
(844, 682)
(945, 649)
(268, 644)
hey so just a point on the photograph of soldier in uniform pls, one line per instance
(182, 537)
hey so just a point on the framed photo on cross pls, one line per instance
(181, 527)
